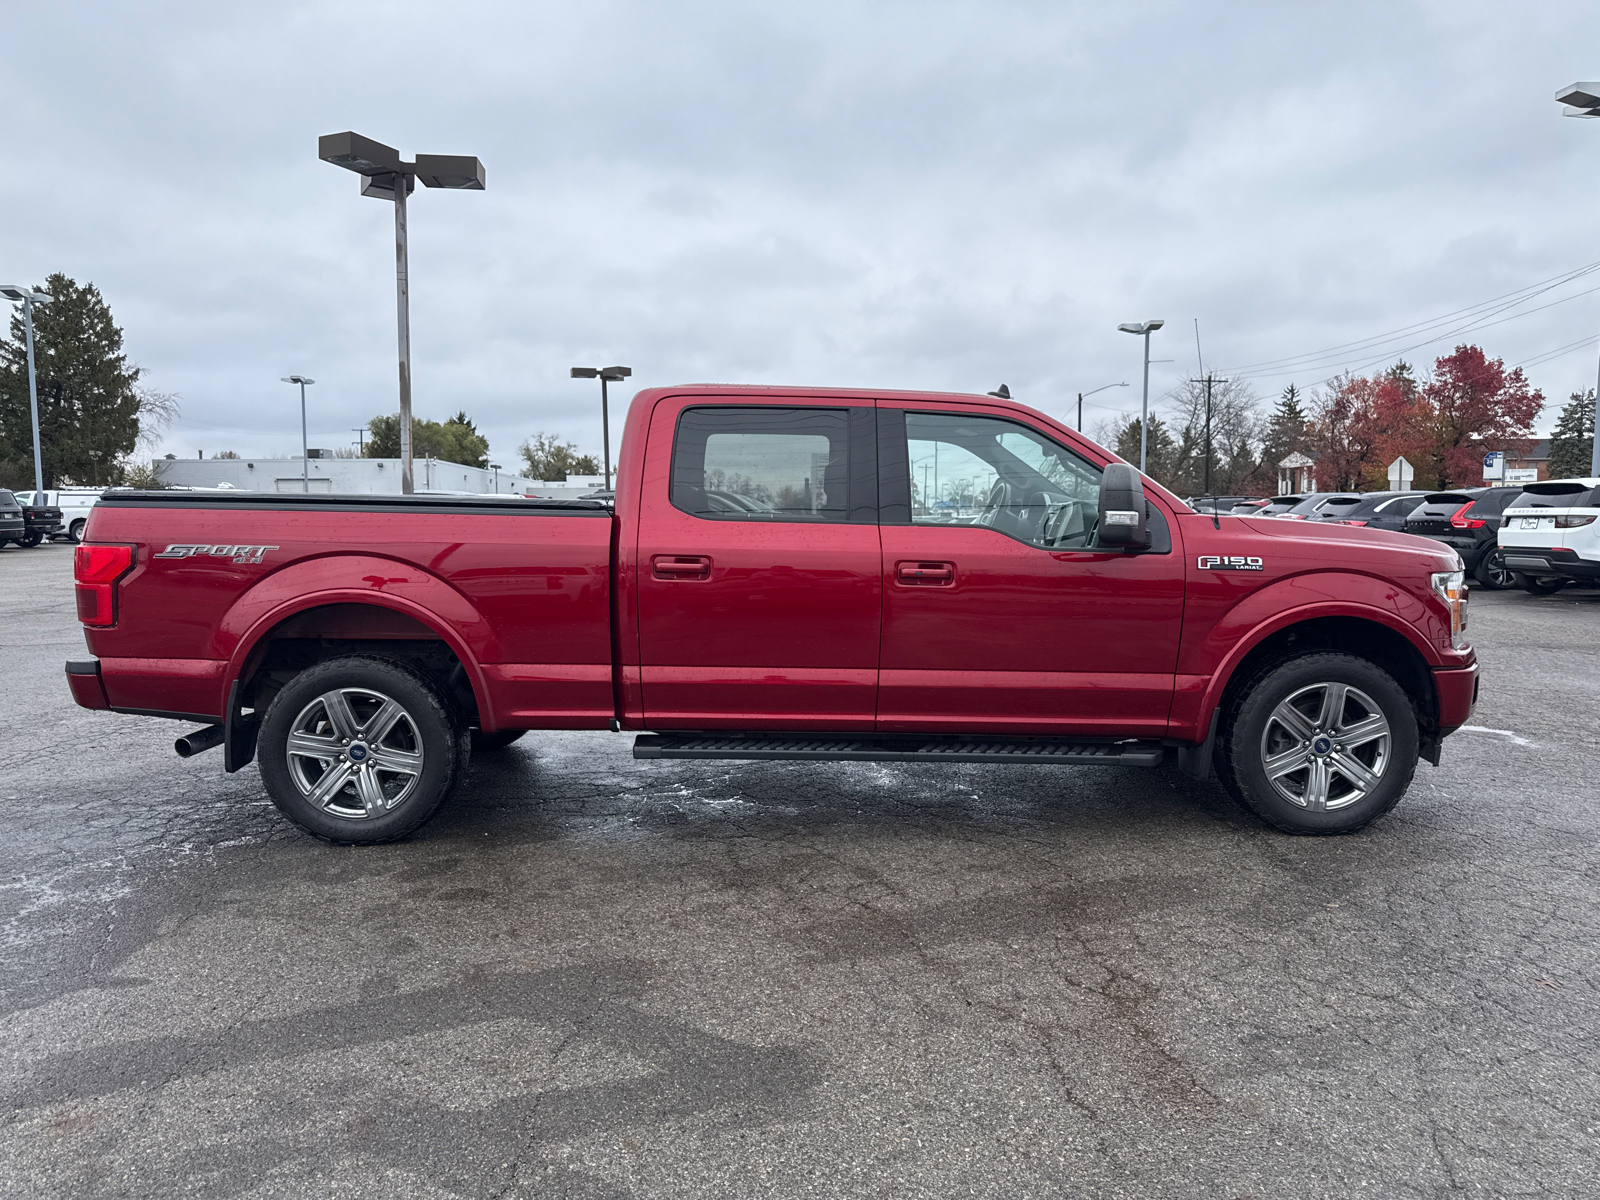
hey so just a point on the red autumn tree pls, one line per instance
(1342, 432)
(1478, 405)
(1400, 422)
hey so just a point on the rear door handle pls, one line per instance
(681, 566)
(936, 574)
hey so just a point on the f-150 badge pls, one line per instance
(1231, 562)
(239, 554)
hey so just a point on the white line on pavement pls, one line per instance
(1505, 733)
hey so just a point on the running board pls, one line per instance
(902, 748)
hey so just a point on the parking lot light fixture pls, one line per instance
(1144, 329)
(605, 375)
(28, 297)
(305, 454)
(1583, 100)
(385, 176)
(495, 467)
(1081, 395)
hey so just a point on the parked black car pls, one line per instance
(12, 528)
(1468, 521)
(1316, 503)
(39, 522)
(1375, 510)
(1223, 505)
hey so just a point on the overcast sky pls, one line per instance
(918, 195)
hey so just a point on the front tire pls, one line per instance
(361, 749)
(29, 541)
(1322, 744)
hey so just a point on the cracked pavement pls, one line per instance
(591, 977)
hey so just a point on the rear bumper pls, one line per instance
(83, 680)
(1458, 695)
(12, 530)
(1532, 560)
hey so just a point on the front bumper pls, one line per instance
(1558, 560)
(1458, 695)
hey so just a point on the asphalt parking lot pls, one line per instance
(591, 977)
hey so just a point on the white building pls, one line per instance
(358, 476)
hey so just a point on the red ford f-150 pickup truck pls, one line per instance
(792, 573)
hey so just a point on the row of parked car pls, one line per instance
(26, 523)
(1537, 536)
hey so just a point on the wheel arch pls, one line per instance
(348, 621)
(1360, 635)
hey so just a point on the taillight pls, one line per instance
(97, 569)
(1461, 521)
(1572, 522)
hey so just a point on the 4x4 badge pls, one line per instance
(239, 554)
(1231, 562)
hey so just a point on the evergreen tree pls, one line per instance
(1161, 451)
(89, 403)
(1572, 443)
(1286, 430)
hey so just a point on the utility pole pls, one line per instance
(1208, 381)
(361, 439)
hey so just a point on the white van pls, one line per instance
(1550, 535)
(74, 503)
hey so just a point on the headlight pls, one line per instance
(1452, 585)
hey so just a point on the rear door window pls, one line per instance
(767, 464)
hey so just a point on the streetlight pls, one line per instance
(385, 177)
(27, 297)
(1583, 100)
(495, 467)
(606, 375)
(1081, 395)
(1145, 329)
(305, 454)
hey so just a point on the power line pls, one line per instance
(1472, 312)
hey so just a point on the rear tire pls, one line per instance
(75, 531)
(1322, 744)
(1492, 572)
(361, 749)
(497, 740)
(1542, 585)
(29, 541)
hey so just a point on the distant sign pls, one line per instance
(1522, 475)
(1401, 473)
(1494, 465)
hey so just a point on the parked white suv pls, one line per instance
(74, 503)
(1550, 535)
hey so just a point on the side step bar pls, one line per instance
(888, 747)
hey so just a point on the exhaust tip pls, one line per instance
(199, 741)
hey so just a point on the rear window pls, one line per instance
(1558, 495)
(6, 498)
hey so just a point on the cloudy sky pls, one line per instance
(922, 195)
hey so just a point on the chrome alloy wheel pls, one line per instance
(1325, 746)
(354, 753)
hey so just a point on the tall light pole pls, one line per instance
(1145, 329)
(386, 177)
(1583, 100)
(305, 453)
(27, 297)
(495, 467)
(606, 375)
(1081, 395)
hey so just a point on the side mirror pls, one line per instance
(1123, 509)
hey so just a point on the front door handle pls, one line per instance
(681, 566)
(936, 574)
